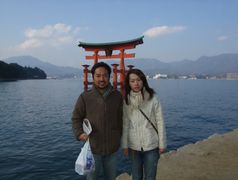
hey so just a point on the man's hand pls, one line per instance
(83, 137)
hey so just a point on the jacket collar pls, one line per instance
(106, 92)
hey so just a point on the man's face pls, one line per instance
(101, 78)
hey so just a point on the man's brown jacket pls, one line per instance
(105, 116)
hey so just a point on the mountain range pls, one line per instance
(50, 69)
(206, 65)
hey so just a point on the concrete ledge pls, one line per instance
(215, 158)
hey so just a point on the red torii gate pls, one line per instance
(108, 48)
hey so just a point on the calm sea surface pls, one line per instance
(37, 141)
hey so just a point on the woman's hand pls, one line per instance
(125, 152)
(83, 137)
(161, 151)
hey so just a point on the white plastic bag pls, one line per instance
(85, 162)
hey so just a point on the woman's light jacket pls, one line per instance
(138, 133)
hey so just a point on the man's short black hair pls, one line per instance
(101, 64)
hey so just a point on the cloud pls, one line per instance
(222, 38)
(30, 43)
(163, 30)
(50, 35)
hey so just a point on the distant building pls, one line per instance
(160, 76)
(232, 76)
(183, 77)
(192, 76)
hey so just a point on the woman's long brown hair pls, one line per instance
(141, 75)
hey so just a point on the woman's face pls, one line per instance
(135, 82)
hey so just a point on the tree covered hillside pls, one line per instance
(14, 71)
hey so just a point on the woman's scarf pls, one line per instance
(136, 98)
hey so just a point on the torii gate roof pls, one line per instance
(112, 45)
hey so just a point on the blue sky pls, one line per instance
(174, 29)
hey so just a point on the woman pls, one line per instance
(144, 137)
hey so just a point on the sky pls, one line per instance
(173, 30)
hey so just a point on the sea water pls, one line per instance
(35, 118)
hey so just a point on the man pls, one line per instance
(102, 106)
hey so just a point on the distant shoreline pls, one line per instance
(12, 80)
(55, 78)
(7, 80)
